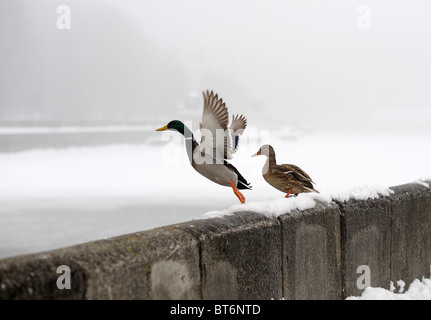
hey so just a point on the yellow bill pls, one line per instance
(162, 128)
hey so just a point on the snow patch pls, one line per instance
(302, 202)
(361, 193)
(418, 290)
(422, 182)
(277, 207)
(215, 214)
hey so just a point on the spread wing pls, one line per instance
(214, 128)
(236, 129)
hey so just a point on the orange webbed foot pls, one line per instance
(239, 195)
(288, 194)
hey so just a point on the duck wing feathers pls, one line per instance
(217, 138)
(295, 171)
(236, 129)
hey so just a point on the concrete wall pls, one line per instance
(313, 254)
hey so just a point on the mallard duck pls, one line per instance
(218, 143)
(287, 178)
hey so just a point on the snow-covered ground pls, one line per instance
(418, 290)
(52, 198)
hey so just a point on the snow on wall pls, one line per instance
(304, 201)
(418, 290)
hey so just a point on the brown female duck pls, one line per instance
(287, 178)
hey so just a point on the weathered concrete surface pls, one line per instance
(391, 235)
(161, 263)
(312, 253)
(365, 241)
(411, 233)
(34, 277)
(240, 256)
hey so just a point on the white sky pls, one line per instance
(288, 60)
(312, 51)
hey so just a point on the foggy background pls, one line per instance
(297, 62)
(339, 88)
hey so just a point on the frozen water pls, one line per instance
(51, 198)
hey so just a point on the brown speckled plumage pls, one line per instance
(284, 177)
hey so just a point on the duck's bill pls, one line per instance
(256, 154)
(162, 128)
